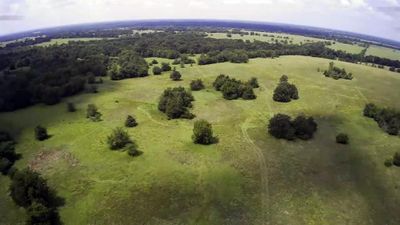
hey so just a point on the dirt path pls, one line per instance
(263, 171)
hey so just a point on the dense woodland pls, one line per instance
(47, 74)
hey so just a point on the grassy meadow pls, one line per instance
(383, 52)
(249, 177)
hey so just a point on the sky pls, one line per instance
(374, 17)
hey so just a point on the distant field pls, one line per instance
(60, 41)
(248, 178)
(383, 52)
(350, 48)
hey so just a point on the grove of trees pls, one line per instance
(93, 113)
(337, 73)
(203, 133)
(285, 91)
(387, 119)
(282, 126)
(7, 152)
(41, 133)
(118, 139)
(175, 103)
(196, 85)
(233, 89)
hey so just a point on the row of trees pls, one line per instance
(128, 65)
(387, 119)
(337, 73)
(285, 91)
(282, 126)
(234, 89)
(175, 103)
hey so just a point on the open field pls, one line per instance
(60, 41)
(247, 178)
(350, 48)
(383, 52)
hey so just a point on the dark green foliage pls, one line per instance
(232, 88)
(71, 107)
(130, 65)
(93, 89)
(253, 82)
(154, 62)
(93, 113)
(165, 67)
(388, 162)
(130, 121)
(285, 91)
(196, 85)
(337, 73)
(7, 152)
(282, 127)
(157, 70)
(387, 119)
(29, 190)
(132, 150)
(175, 75)
(396, 159)
(118, 139)
(234, 56)
(175, 103)
(284, 78)
(342, 139)
(41, 133)
(202, 133)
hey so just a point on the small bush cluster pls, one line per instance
(130, 121)
(183, 59)
(165, 67)
(285, 91)
(282, 127)
(93, 113)
(7, 152)
(129, 65)
(202, 133)
(30, 191)
(234, 89)
(157, 70)
(196, 85)
(337, 73)
(387, 119)
(118, 139)
(41, 133)
(175, 75)
(342, 139)
(175, 102)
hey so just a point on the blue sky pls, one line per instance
(374, 17)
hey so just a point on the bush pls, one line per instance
(157, 70)
(92, 113)
(175, 103)
(234, 89)
(388, 162)
(219, 81)
(165, 67)
(41, 133)
(285, 91)
(130, 121)
(284, 78)
(38, 214)
(337, 73)
(71, 107)
(132, 150)
(202, 133)
(231, 89)
(282, 127)
(371, 110)
(196, 85)
(118, 139)
(396, 159)
(154, 61)
(175, 75)
(253, 82)
(248, 93)
(342, 139)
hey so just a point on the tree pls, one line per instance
(93, 113)
(305, 127)
(175, 103)
(7, 152)
(196, 85)
(165, 67)
(175, 75)
(370, 110)
(132, 65)
(281, 127)
(202, 133)
(342, 139)
(130, 121)
(396, 159)
(118, 139)
(38, 214)
(253, 82)
(285, 91)
(248, 93)
(154, 62)
(219, 81)
(284, 78)
(157, 70)
(71, 107)
(132, 150)
(41, 133)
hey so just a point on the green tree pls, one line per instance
(196, 85)
(165, 67)
(202, 133)
(253, 82)
(175, 76)
(93, 113)
(280, 126)
(41, 133)
(157, 70)
(118, 139)
(342, 139)
(130, 121)
(248, 93)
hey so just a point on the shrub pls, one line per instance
(41, 133)
(92, 113)
(219, 81)
(38, 214)
(130, 121)
(202, 133)
(165, 67)
(388, 162)
(175, 103)
(132, 150)
(371, 110)
(284, 78)
(234, 89)
(337, 73)
(71, 107)
(154, 61)
(253, 82)
(196, 85)
(118, 139)
(157, 70)
(7, 152)
(282, 127)
(175, 75)
(248, 93)
(285, 91)
(342, 139)
(396, 159)
(231, 89)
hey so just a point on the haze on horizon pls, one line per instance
(373, 17)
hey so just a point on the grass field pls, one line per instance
(383, 52)
(60, 41)
(247, 178)
(350, 48)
